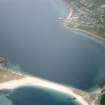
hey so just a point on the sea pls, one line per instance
(36, 42)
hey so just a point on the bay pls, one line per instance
(32, 37)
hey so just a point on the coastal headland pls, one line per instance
(87, 16)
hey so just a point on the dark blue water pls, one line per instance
(37, 96)
(32, 37)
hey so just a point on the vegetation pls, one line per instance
(102, 101)
(7, 75)
(91, 15)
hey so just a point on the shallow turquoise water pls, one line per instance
(35, 96)
(4, 100)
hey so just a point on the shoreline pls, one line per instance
(70, 17)
(28, 80)
(92, 35)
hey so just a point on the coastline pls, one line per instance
(71, 17)
(92, 35)
(28, 80)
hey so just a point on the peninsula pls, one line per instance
(9, 79)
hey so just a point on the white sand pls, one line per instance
(34, 81)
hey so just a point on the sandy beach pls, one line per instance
(37, 82)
